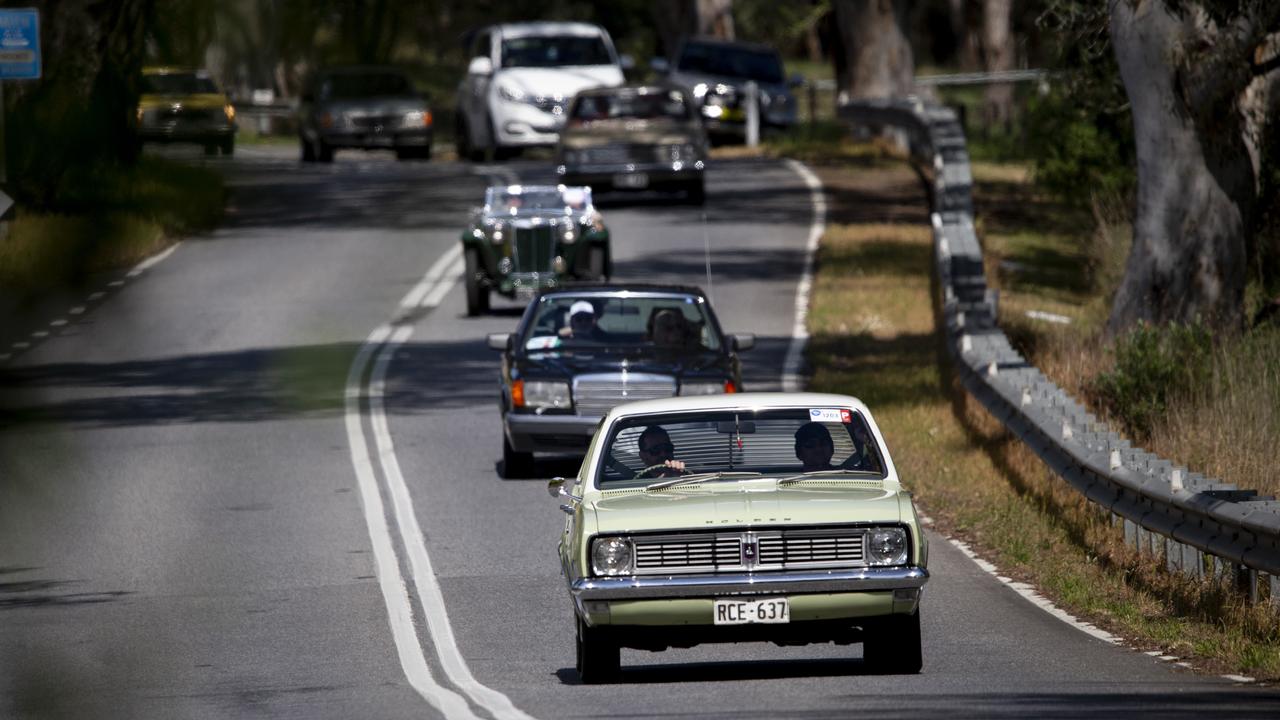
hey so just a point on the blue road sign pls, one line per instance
(19, 44)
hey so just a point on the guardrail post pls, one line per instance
(1131, 534)
(813, 104)
(753, 114)
(1275, 591)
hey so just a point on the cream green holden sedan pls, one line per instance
(775, 517)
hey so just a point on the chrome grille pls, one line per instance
(810, 549)
(365, 122)
(687, 553)
(595, 395)
(534, 249)
(621, 154)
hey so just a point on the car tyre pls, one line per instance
(893, 647)
(695, 192)
(308, 150)
(324, 152)
(477, 293)
(599, 658)
(597, 263)
(229, 146)
(515, 465)
(210, 149)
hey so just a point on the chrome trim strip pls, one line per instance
(692, 586)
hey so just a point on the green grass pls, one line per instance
(107, 218)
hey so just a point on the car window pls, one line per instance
(554, 51)
(632, 106)
(759, 65)
(741, 441)
(347, 86)
(663, 323)
(177, 84)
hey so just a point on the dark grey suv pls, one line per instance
(716, 73)
(366, 108)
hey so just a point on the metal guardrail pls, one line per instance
(1197, 525)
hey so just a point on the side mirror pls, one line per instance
(744, 341)
(796, 80)
(660, 65)
(626, 62)
(480, 66)
(555, 487)
(499, 341)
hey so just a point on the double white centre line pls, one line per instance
(377, 351)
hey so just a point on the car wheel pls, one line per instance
(599, 658)
(210, 149)
(515, 465)
(462, 138)
(696, 192)
(893, 647)
(597, 263)
(229, 146)
(308, 150)
(324, 153)
(477, 293)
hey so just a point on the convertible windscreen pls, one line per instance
(830, 440)
(676, 323)
(516, 199)
(632, 106)
(554, 51)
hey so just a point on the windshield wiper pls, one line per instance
(815, 473)
(697, 478)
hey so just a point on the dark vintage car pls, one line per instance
(716, 72)
(185, 105)
(636, 137)
(580, 351)
(527, 238)
(366, 108)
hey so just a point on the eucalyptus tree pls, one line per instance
(875, 60)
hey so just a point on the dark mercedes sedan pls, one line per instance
(581, 350)
(638, 137)
(364, 108)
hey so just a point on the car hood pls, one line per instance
(639, 132)
(375, 106)
(569, 363)
(206, 100)
(729, 504)
(563, 81)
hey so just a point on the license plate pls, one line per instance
(745, 612)
(631, 180)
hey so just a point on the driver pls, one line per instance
(582, 323)
(658, 454)
(814, 447)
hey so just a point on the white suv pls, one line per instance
(520, 80)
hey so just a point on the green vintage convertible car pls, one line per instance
(775, 517)
(528, 238)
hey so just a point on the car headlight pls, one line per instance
(495, 235)
(887, 546)
(546, 394)
(703, 387)
(612, 556)
(416, 118)
(511, 94)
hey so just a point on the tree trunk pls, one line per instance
(997, 51)
(673, 20)
(1196, 178)
(878, 57)
(715, 18)
(964, 22)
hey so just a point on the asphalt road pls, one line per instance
(254, 481)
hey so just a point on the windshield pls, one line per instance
(632, 106)
(513, 199)
(759, 65)
(670, 323)
(363, 85)
(178, 84)
(554, 51)
(771, 442)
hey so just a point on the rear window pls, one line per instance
(363, 85)
(178, 84)
(632, 106)
(759, 65)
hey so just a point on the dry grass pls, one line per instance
(874, 336)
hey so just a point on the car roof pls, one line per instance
(592, 288)
(546, 27)
(737, 401)
(707, 40)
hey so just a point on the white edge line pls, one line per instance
(437, 269)
(394, 591)
(424, 577)
(450, 277)
(791, 378)
(152, 261)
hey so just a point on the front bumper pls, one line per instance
(525, 125)
(186, 132)
(384, 140)
(689, 599)
(550, 433)
(615, 177)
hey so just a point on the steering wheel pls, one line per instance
(660, 466)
